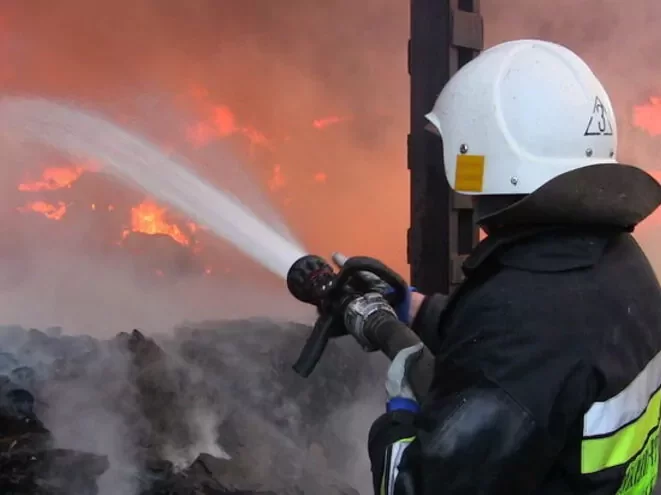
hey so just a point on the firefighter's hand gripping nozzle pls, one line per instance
(312, 280)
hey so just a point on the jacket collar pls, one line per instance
(542, 249)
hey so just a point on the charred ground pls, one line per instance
(213, 408)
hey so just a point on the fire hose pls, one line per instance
(312, 280)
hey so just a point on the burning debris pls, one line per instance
(213, 409)
(49, 210)
(149, 218)
(53, 179)
(146, 218)
(328, 121)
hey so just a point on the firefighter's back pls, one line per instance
(620, 441)
(568, 323)
(598, 301)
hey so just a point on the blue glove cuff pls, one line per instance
(402, 404)
(403, 309)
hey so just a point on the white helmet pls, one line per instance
(519, 115)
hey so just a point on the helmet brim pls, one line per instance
(433, 125)
(609, 194)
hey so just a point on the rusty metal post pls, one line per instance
(445, 35)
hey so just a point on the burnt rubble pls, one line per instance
(211, 409)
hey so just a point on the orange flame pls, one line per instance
(53, 178)
(223, 121)
(149, 218)
(648, 116)
(328, 121)
(219, 122)
(54, 212)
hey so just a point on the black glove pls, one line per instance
(361, 312)
(402, 309)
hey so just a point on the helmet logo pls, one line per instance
(599, 124)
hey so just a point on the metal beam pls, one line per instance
(445, 35)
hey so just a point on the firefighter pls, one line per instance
(548, 357)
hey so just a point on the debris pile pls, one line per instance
(210, 409)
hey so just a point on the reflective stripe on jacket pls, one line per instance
(547, 375)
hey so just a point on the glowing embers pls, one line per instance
(329, 121)
(149, 218)
(49, 210)
(53, 178)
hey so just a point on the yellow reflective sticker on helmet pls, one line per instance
(469, 173)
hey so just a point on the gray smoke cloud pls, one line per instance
(278, 68)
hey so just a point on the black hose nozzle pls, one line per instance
(310, 278)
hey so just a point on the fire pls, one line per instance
(328, 121)
(53, 178)
(52, 211)
(277, 181)
(149, 218)
(648, 116)
(219, 122)
(146, 218)
(223, 121)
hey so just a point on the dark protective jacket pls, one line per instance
(547, 378)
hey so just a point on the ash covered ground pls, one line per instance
(211, 408)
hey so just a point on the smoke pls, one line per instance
(83, 414)
(134, 63)
(281, 68)
(260, 62)
(278, 68)
(221, 388)
(101, 297)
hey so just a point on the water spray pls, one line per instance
(142, 164)
(134, 159)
